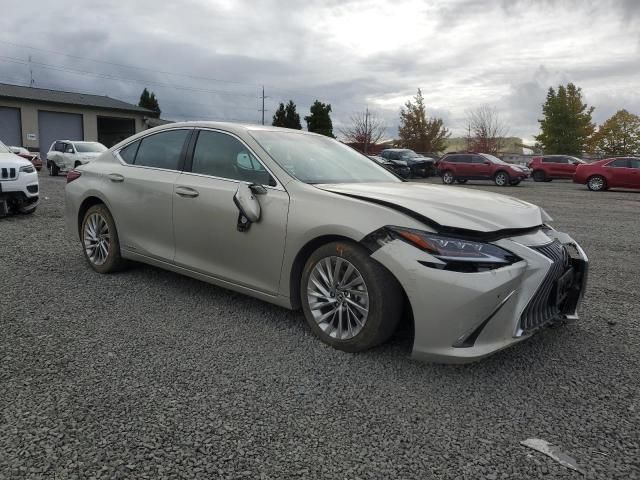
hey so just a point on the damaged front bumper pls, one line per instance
(463, 317)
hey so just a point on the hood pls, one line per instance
(419, 160)
(11, 160)
(449, 207)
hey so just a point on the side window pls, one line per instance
(477, 159)
(128, 153)
(161, 150)
(465, 159)
(59, 147)
(619, 163)
(634, 163)
(384, 154)
(221, 155)
(394, 156)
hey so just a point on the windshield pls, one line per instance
(408, 154)
(4, 148)
(317, 159)
(494, 159)
(89, 147)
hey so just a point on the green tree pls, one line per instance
(287, 117)
(618, 135)
(418, 132)
(566, 126)
(148, 100)
(279, 118)
(319, 119)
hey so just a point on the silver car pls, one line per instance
(303, 221)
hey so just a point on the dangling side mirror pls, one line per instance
(248, 206)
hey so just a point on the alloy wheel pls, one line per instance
(96, 239)
(596, 183)
(447, 177)
(338, 298)
(501, 179)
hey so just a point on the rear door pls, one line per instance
(206, 218)
(634, 171)
(619, 174)
(140, 190)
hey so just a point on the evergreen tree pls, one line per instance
(279, 118)
(566, 126)
(418, 132)
(292, 119)
(287, 117)
(148, 100)
(319, 120)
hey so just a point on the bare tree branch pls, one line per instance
(486, 130)
(364, 129)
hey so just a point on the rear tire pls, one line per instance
(334, 313)
(100, 241)
(501, 179)
(539, 176)
(53, 169)
(448, 177)
(596, 183)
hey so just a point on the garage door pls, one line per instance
(10, 128)
(54, 126)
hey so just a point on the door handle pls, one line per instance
(115, 177)
(186, 192)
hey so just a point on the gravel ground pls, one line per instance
(147, 374)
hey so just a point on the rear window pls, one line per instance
(128, 153)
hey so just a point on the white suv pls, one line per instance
(65, 155)
(18, 183)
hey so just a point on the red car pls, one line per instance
(33, 157)
(623, 172)
(460, 167)
(549, 167)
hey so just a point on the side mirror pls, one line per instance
(487, 162)
(248, 206)
(576, 163)
(69, 150)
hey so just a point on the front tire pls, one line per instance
(539, 176)
(597, 183)
(448, 177)
(100, 240)
(350, 301)
(501, 179)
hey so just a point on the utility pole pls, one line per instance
(31, 80)
(366, 129)
(262, 110)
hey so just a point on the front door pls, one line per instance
(634, 172)
(205, 216)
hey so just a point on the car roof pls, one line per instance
(230, 127)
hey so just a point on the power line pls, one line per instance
(165, 72)
(123, 79)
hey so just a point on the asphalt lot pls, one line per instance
(147, 374)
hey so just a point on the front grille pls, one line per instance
(8, 173)
(32, 188)
(542, 308)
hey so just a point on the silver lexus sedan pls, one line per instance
(303, 221)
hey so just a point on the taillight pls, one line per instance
(73, 175)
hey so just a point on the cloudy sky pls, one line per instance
(207, 59)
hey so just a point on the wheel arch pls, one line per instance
(303, 255)
(86, 204)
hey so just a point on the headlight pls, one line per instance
(27, 169)
(457, 254)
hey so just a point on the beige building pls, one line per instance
(36, 117)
